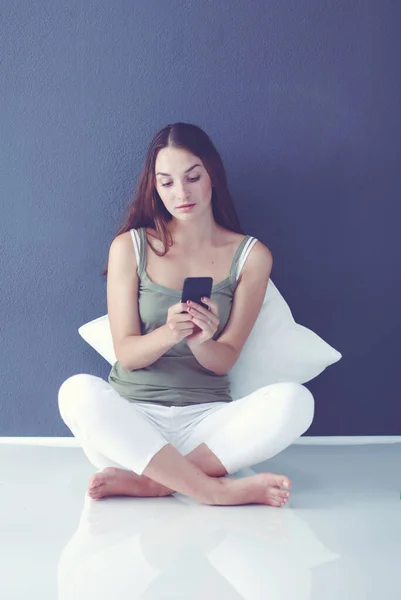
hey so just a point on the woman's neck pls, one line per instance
(193, 235)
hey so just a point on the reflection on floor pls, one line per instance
(338, 538)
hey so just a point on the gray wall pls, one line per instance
(302, 99)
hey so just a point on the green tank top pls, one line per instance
(176, 378)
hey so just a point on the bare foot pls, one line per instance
(118, 482)
(263, 488)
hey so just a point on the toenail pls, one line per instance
(285, 484)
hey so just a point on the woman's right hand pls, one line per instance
(179, 324)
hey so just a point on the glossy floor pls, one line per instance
(339, 537)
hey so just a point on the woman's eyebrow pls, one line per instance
(187, 171)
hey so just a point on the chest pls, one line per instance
(171, 269)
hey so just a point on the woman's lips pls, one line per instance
(185, 207)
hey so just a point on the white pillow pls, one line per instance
(277, 349)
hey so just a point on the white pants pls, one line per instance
(114, 432)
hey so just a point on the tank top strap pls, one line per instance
(240, 257)
(139, 246)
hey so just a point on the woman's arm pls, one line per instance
(219, 356)
(133, 350)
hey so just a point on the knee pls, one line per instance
(71, 390)
(297, 403)
(301, 403)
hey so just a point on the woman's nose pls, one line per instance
(181, 191)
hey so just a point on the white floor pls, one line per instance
(339, 538)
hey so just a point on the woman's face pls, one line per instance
(181, 179)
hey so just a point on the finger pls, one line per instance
(200, 323)
(185, 325)
(182, 326)
(179, 323)
(199, 308)
(211, 304)
(206, 315)
(205, 324)
(178, 308)
(178, 317)
(181, 318)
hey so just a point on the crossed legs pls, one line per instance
(242, 434)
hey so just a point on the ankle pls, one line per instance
(156, 488)
(222, 493)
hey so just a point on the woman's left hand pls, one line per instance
(207, 321)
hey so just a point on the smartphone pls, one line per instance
(195, 288)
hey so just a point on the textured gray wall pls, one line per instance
(302, 99)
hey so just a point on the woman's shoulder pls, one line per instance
(259, 256)
(233, 238)
(121, 249)
(259, 252)
(122, 241)
(259, 260)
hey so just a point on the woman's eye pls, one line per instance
(192, 179)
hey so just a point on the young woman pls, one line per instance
(165, 421)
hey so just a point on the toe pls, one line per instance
(95, 482)
(278, 498)
(284, 482)
(275, 503)
(282, 494)
(96, 494)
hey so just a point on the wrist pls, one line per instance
(167, 336)
(192, 344)
(196, 344)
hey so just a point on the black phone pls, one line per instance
(195, 288)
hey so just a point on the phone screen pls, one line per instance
(195, 288)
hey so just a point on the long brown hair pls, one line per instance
(147, 208)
